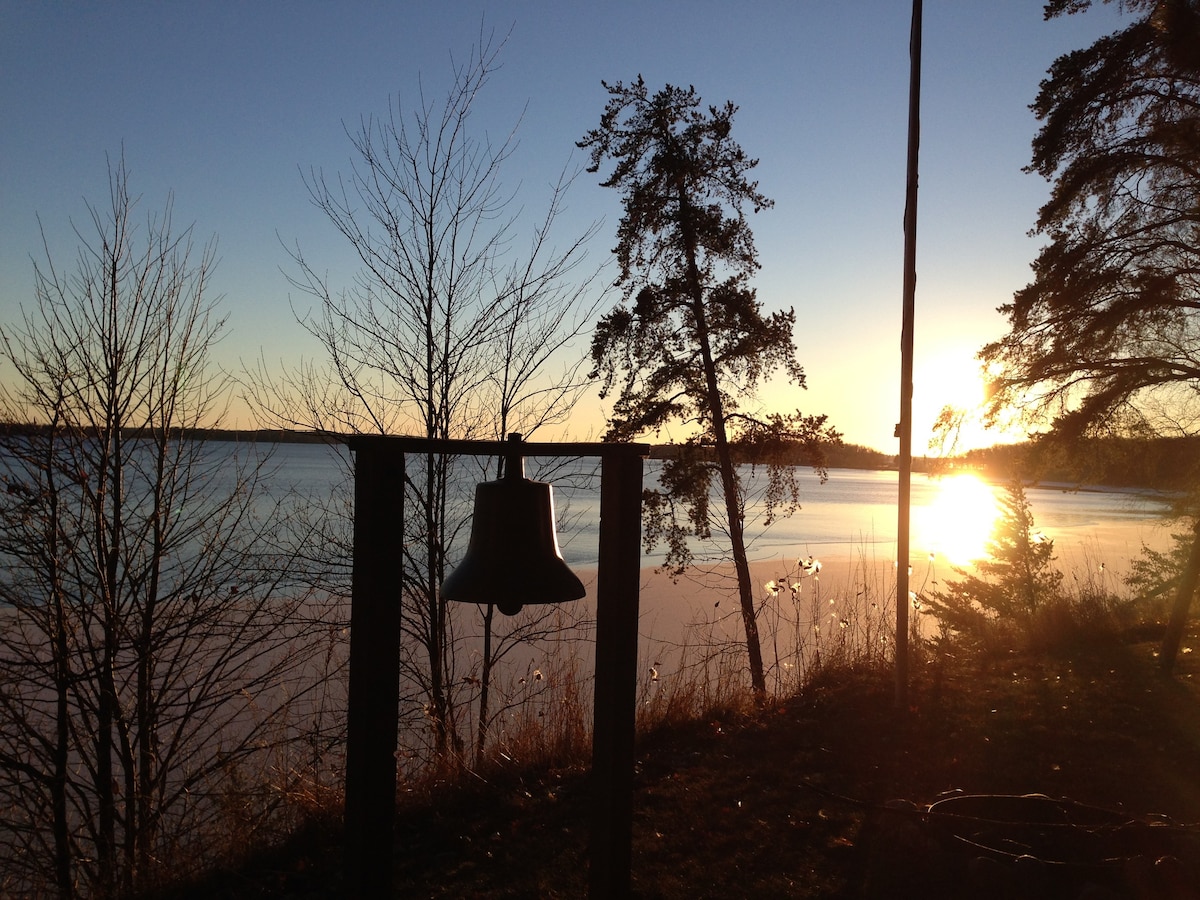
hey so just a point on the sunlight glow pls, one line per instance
(958, 523)
(953, 378)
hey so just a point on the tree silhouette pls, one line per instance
(690, 343)
(450, 328)
(1008, 587)
(150, 647)
(1106, 337)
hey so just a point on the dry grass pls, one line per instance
(797, 797)
(790, 800)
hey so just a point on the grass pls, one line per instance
(822, 795)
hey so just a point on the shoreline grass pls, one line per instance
(828, 648)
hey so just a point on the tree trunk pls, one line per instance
(448, 743)
(485, 683)
(147, 709)
(58, 782)
(729, 479)
(105, 775)
(62, 686)
(741, 564)
(1177, 623)
(733, 511)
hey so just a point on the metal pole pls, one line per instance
(615, 711)
(904, 429)
(372, 716)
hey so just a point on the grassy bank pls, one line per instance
(793, 799)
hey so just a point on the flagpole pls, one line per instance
(904, 429)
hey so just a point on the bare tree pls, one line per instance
(445, 331)
(142, 653)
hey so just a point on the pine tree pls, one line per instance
(1008, 587)
(695, 339)
(1106, 338)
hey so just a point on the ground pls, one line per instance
(826, 795)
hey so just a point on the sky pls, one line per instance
(225, 104)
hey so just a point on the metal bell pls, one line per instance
(513, 557)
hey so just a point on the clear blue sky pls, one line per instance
(224, 102)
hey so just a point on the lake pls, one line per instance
(852, 513)
(691, 632)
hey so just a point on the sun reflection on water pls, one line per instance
(958, 522)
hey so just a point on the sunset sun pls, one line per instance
(957, 524)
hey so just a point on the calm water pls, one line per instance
(851, 513)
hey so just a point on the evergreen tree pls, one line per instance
(1008, 587)
(1106, 337)
(691, 341)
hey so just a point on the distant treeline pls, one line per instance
(245, 435)
(1166, 464)
(836, 456)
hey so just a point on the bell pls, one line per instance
(513, 557)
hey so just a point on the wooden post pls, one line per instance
(373, 703)
(615, 711)
(904, 429)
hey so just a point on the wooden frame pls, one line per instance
(373, 704)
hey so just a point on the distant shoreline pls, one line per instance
(266, 435)
(996, 464)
